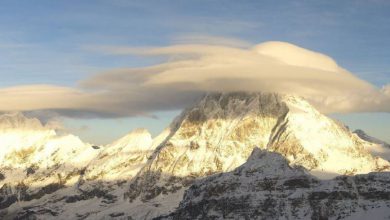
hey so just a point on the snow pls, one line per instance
(379, 212)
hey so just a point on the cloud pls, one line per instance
(210, 40)
(190, 70)
(37, 97)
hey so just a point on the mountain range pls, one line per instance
(230, 156)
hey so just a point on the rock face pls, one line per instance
(48, 176)
(267, 187)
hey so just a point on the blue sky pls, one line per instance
(48, 42)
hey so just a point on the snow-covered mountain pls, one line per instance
(267, 187)
(374, 145)
(121, 160)
(17, 121)
(363, 135)
(35, 161)
(219, 133)
(45, 174)
(48, 175)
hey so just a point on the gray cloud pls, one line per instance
(191, 70)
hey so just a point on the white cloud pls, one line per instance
(193, 69)
(296, 56)
(210, 40)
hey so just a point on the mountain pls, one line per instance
(35, 161)
(18, 131)
(219, 133)
(370, 139)
(17, 121)
(267, 187)
(121, 160)
(48, 175)
(374, 145)
(45, 174)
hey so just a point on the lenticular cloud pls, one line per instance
(191, 70)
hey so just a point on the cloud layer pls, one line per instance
(190, 70)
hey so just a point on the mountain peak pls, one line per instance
(264, 99)
(363, 135)
(18, 121)
(269, 164)
(229, 125)
(137, 139)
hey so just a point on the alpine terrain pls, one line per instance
(229, 156)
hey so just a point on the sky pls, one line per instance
(70, 47)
